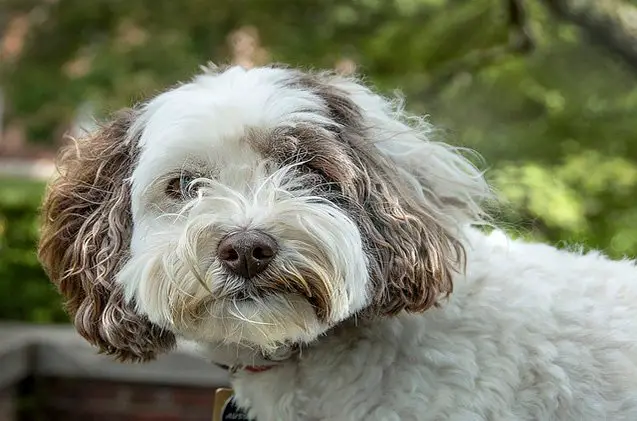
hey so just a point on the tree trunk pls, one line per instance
(610, 23)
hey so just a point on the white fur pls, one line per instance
(529, 333)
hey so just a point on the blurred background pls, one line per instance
(545, 90)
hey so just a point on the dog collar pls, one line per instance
(267, 363)
(249, 368)
(257, 368)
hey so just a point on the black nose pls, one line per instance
(247, 253)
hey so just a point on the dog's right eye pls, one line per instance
(179, 188)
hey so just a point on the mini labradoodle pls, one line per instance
(304, 231)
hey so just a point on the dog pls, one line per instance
(308, 233)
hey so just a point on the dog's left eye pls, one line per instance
(179, 188)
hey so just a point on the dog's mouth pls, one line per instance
(307, 286)
(254, 295)
(263, 293)
(282, 288)
(259, 323)
(267, 283)
(250, 293)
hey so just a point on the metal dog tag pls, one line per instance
(225, 408)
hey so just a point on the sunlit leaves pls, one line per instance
(588, 196)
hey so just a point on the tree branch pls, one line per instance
(609, 23)
(519, 41)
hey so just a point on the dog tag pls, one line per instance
(225, 408)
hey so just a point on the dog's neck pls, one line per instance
(234, 358)
(261, 362)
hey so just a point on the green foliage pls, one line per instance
(25, 293)
(557, 129)
(556, 126)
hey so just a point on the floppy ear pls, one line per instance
(416, 240)
(85, 239)
(414, 197)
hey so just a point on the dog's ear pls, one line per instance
(413, 196)
(85, 239)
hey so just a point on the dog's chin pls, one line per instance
(265, 323)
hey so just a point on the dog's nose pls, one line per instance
(247, 253)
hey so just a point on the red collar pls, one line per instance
(248, 368)
(256, 368)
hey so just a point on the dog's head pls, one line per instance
(255, 207)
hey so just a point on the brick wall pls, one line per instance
(7, 404)
(98, 400)
(50, 373)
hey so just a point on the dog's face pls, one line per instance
(257, 207)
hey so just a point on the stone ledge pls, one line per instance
(37, 169)
(58, 351)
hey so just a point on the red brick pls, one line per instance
(194, 396)
(74, 415)
(82, 388)
(99, 389)
(148, 394)
(104, 390)
(156, 416)
(78, 399)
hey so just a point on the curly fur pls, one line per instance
(85, 238)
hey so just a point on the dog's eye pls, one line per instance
(311, 170)
(179, 188)
(316, 179)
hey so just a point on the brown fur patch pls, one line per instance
(412, 256)
(303, 283)
(85, 239)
